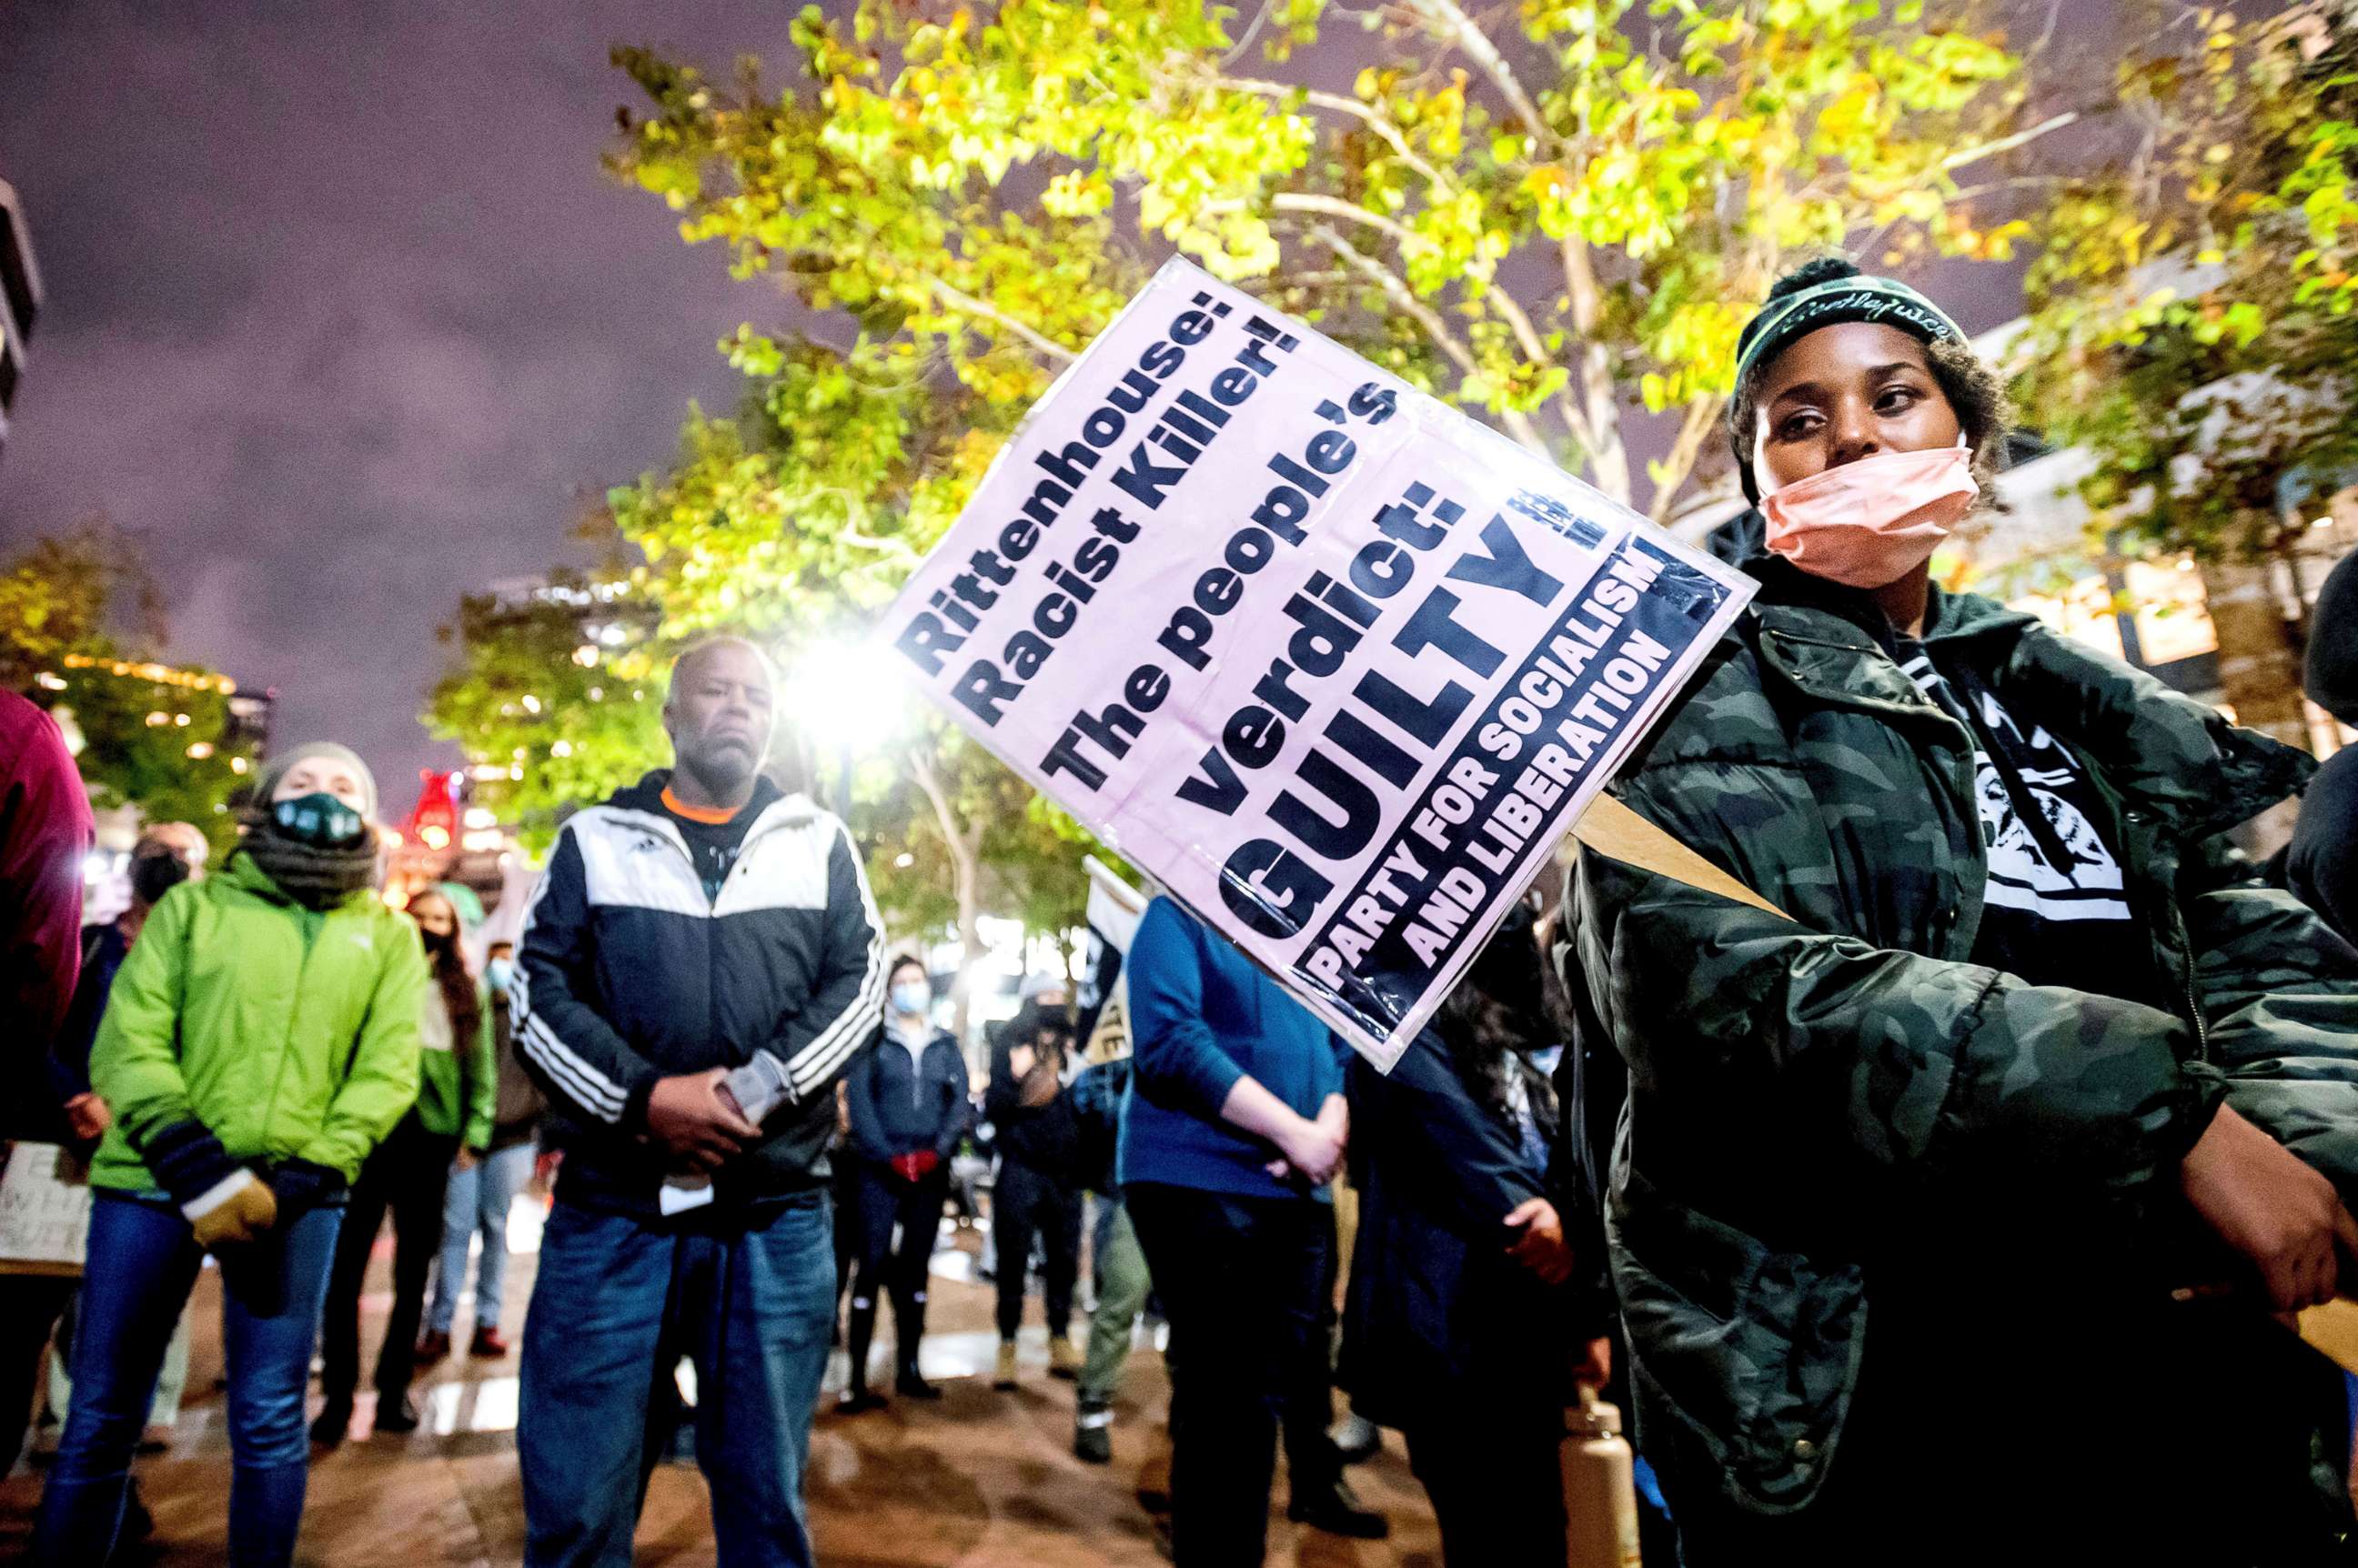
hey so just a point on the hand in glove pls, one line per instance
(914, 1168)
(300, 1185)
(239, 1209)
(223, 1201)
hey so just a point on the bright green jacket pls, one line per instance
(459, 1090)
(290, 1033)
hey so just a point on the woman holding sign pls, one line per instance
(1929, 1194)
(260, 1040)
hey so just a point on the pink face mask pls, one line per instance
(1871, 521)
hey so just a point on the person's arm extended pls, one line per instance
(2279, 989)
(1921, 1063)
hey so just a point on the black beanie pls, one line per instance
(2331, 678)
(1825, 293)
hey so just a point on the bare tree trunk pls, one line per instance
(965, 845)
(2259, 672)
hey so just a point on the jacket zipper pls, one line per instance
(286, 1045)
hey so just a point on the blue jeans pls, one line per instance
(478, 1199)
(143, 1263)
(617, 1300)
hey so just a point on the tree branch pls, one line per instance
(1520, 323)
(1404, 300)
(1380, 124)
(1963, 155)
(997, 318)
(1609, 459)
(1477, 47)
(1702, 415)
(1334, 207)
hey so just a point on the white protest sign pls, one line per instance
(1333, 661)
(44, 1211)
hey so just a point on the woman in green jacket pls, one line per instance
(1912, 1185)
(458, 1089)
(260, 1040)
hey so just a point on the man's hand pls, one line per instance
(694, 1122)
(1541, 1247)
(2271, 1209)
(1313, 1149)
(88, 1116)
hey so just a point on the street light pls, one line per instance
(845, 700)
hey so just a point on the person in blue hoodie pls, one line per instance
(1234, 1123)
(907, 1101)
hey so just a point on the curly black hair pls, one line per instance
(1965, 379)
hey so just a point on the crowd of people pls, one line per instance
(1940, 1203)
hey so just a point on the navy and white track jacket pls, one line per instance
(627, 973)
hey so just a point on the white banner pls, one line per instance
(1333, 663)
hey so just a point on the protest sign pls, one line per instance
(1334, 663)
(44, 1211)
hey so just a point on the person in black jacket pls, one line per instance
(1467, 1320)
(2322, 861)
(907, 1095)
(1038, 1191)
(699, 964)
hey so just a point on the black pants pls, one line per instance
(405, 1177)
(1023, 1205)
(30, 1305)
(1242, 1281)
(886, 1201)
(1495, 1473)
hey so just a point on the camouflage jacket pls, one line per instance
(1783, 1078)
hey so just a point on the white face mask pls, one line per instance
(911, 997)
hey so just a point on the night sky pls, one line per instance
(344, 318)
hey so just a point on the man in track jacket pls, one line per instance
(696, 937)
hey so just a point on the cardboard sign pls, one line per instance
(1333, 663)
(44, 1211)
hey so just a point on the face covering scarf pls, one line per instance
(1869, 523)
(317, 848)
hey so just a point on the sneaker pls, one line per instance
(395, 1416)
(909, 1384)
(1338, 1512)
(859, 1401)
(1064, 1359)
(489, 1344)
(1357, 1439)
(433, 1347)
(1005, 1376)
(1093, 1433)
(333, 1425)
